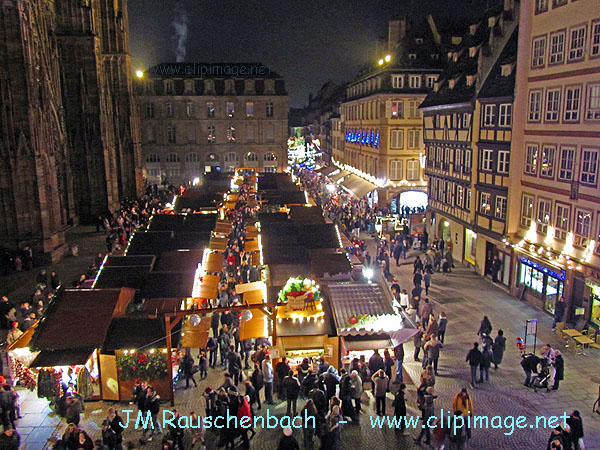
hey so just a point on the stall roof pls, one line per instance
(150, 243)
(302, 214)
(329, 264)
(161, 305)
(179, 261)
(280, 273)
(48, 358)
(353, 299)
(166, 222)
(133, 260)
(357, 186)
(168, 284)
(326, 170)
(188, 240)
(197, 203)
(200, 222)
(267, 218)
(127, 332)
(286, 198)
(117, 277)
(322, 235)
(338, 175)
(79, 319)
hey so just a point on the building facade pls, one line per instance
(196, 120)
(68, 136)
(467, 133)
(381, 121)
(554, 217)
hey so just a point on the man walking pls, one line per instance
(559, 312)
(152, 404)
(267, 369)
(399, 357)
(292, 389)
(474, 359)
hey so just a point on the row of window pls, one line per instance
(570, 98)
(209, 86)
(551, 161)
(454, 121)
(541, 6)
(394, 109)
(450, 193)
(414, 138)
(413, 81)
(211, 134)
(210, 111)
(497, 161)
(566, 45)
(492, 205)
(363, 137)
(413, 169)
(497, 115)
(563, 217)
(193, 157)
(455, 160)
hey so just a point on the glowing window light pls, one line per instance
(569, 248)
(531, 234)
(549, 239)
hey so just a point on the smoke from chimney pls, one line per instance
(180, 24)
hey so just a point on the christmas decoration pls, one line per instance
(146, 366)
(302, 298)
(369, 322)
(247, 315)
(24, 375)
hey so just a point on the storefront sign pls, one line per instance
(561, 276)
(532, 326)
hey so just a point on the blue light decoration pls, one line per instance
(371, 138)
(376, 140)
(362, 137)
(561, 276)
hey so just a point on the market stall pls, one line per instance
(365, 320)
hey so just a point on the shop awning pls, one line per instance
(251, 245)
(218, 243)
(357, 186)
(253, 328)
(338, 175)
(214, 262)
(52, 358)
(403, 335)
(326, 170)
(374, 342)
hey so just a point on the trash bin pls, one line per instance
(74, 249)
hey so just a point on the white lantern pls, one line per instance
(247, 315)
(195, 320)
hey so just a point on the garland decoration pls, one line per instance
(297, 287)
(370, 322)
(150, 365)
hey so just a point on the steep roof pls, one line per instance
(496, 84)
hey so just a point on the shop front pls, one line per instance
(542, 283)
(593, 302)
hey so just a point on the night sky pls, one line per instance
(308, 42)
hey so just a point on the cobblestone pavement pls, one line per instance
(465, 297)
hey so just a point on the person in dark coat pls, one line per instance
(330, 380)
(258, 382)
(292, 389)
(212, 347)
(399, 405)
(10, 439)
(109, 438)
(498, 348)
(485, 326)
(484, 364)
(529, 363)
(559, 367)
(376, 363)
(188, 369)
(559, 312)
(288, 441)
(474, 359)
(281, 369)
(576, 424)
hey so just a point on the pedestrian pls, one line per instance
(292, 389)
(431, 327)
(404, 300)
(485, 363)
(559, 312)
(116, 424)
(375, 364)
(310, 415)
(388, 363)
(288, 441)
(417, 341)
(485, 327)
(417, 278)
(458, 433)
(356, 391)
(399, 405)
(498, 348)
(188, 368)
(399, 358)
(529, 363)
(418, 265)
(234, 364)
(559, 367)
(496, 266)
(428, 409)
(425, 310)
(152, 404)
(212, 346)
(332, 437)
(381, 383)
(474, 359)
(282, 368)
(463, 403)
(427, 281)
(330, 380)
(244, 412)
(258, 382)
(432, 352)
(203, 364)
(576, 424)
(109, 438)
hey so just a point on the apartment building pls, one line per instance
(467, 133)
(554, 196)
(199, 118)
(383, 150)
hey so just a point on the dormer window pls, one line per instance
(455, 56)
(450, 55)
(209, 87)
(189, 87)
(470, 80)
(452, 83)
(229, 87)
(472, 29)
(269, 87)
(249, 87)
(472, 52)
(506, 69)
(436, 86)
(412, 56)
(491, 22)
(419, 40)
(169, 87)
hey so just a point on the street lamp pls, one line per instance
(368, 273)
(380, 62)
(139, 74)
(388, 58)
